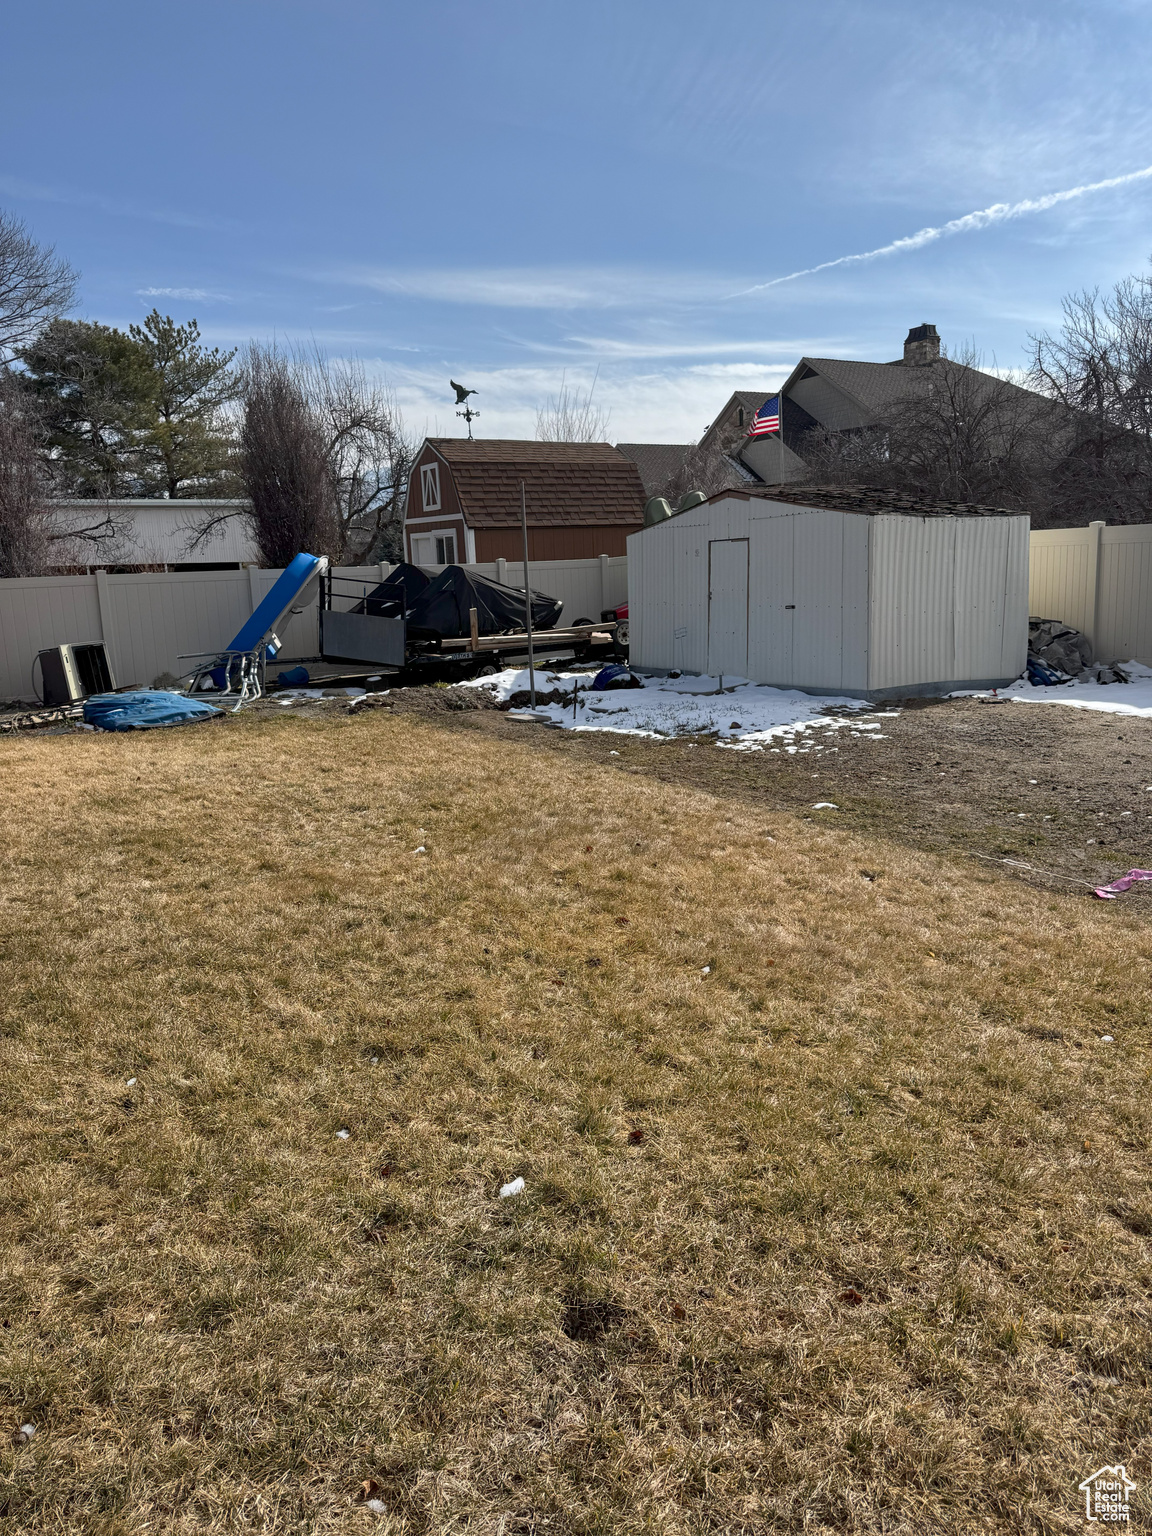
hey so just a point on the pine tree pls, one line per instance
(136, 413)
(94, 389)
(184, 446)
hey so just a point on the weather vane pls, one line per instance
(468, 413)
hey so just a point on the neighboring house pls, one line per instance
(463, 502)
(145, 534)
(841, 395)
(657, 462)
(822, 394)
(734, 420)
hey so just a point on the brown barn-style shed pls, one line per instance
(463, 503)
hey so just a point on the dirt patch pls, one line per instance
(427, 701)
(1065, 790)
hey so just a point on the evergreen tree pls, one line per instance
(184, 444)
(133, 414)
(94, 388)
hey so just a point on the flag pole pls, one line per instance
(528, 600)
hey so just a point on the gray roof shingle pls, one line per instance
(878, 386)
(657, 462)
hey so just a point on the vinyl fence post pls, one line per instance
(1092, 596)
(604, 579)
(105, 614)
(527, 600)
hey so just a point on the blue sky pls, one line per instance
(512, 193)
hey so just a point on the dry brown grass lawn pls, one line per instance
(850, 1233)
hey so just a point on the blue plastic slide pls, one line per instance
(267, 615)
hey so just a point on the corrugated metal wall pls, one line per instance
(830, 591)
(949, 600)
(838, 601)
(159, 532)
(807, 593)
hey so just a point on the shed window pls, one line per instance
(430, 487)
(434, 548)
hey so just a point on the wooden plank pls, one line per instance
(510, 642)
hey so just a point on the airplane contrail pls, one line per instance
(996, 214)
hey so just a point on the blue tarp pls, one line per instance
(616, 677)
(144, 710)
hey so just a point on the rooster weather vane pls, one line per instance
(468, 413)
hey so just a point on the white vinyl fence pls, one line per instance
(1099, 580)
(149, 621)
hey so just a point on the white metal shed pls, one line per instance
(851, 590)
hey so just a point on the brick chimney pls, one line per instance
(922, 345)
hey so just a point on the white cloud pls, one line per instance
(997, 213)
(184, 293)
(27, 191)
(536, 287)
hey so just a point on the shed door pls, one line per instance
(728, 607)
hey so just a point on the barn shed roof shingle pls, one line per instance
(565, 484)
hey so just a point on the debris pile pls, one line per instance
(1056, 649)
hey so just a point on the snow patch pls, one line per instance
(1131, 698)
(745, 717)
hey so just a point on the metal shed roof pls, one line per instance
(868, 499)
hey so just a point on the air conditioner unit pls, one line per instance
(72, 672)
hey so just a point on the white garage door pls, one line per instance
(728, 607)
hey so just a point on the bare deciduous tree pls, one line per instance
(572, 417)
(23, 492)
(284, 463)
(958, 434)
(368, 451)
(703, 468)
(1099, 367)
(324, 456)
(36, 285)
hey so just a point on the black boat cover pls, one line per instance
(443, 606)
(383, 602)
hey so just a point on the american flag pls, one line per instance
(767, 418)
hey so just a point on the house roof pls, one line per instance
(750, 399)
(869, 499)
(565, 484)
(657, 462)
(877, 386)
